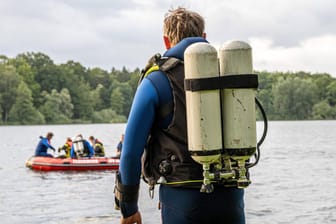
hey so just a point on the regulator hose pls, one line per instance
(257, 154)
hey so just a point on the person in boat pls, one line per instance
(81, 148)
(44, 145)
(159, 111)
(119, 146)
(97, 146)
(66, 148)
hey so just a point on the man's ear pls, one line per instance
(204, 35)
(167, 42)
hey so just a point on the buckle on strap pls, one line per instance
(151, 191)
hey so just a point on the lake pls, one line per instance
(294, 182)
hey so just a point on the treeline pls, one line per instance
(297, 96)
(35, 90)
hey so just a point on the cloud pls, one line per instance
(118, 33)
(316, 54)
(286, 22)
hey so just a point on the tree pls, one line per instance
(57, 108)
(121, 76)
(23, 110)
(264, 93)
(331, 93)
(127, 96)
(294, 98)
(75, 80)
(107, 116)
(9, 81)
(43, 68)
(322, 81)
(98, 102)
(3, 59)
(97, 76)
(133, 82)
(24, 69)
(323, 111)
(66, 107)
(117, 101)
(83, 102)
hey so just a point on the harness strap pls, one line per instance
(169, 63)
(222, 82)
(163, 64)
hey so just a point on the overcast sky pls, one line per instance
(285, 35)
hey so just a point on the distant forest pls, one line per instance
(35, 90)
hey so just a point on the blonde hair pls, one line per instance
(181, 23)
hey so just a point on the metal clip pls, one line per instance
(151, 191)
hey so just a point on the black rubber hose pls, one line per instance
(257, 154)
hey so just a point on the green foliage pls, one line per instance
(117, 100)
(34, 90)
(23, 111)
(294, 98)
(96, 97)
(331, 93)
(57, 107)
(9, 82)
(25, 71)
(122, 97)
(323, 111)
(107, 116)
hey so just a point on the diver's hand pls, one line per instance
(133, 219)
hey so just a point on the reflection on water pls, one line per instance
(293, 183)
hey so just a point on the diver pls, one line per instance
(97, 146)
(119, 146)
(81, 148)
(66, 148)
(44, 145)
(159, 111)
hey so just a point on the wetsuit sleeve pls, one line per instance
(91, 150)
(72, 152)
(119, 146)
(137, 130)
(138, 127)
(46, 143)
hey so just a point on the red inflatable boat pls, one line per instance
(65, 164)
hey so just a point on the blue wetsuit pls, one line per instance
(119, 146)
(42, 148)
(179, 205)
(86, 145)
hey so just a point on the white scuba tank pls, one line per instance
(78, 144)
(238, 105)
(220, 110)
(203, 107)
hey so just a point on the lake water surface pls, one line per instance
(294, 182)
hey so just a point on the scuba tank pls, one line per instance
(78, 144)
(221, 118)
(203, 109)
(239, 119)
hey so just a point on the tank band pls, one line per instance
(222, 82)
